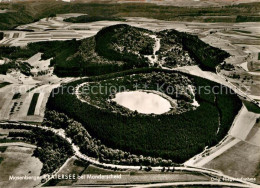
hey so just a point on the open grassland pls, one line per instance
(174, 137)
(18, 161)
(242, 160)
(27, 12)
(52, 150)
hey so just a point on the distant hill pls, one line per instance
(31, 11)
(121, 47)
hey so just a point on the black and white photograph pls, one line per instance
(130, 93)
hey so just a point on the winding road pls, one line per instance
(214, 173)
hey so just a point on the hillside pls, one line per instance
(121, 47)
(113, 49)
(170, 136)
(180, 49)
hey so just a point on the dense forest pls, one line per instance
(49, 49)
(33, 103)
(240, 18)
(1, 35)
(174, 85)
(175, 137)
(88, 56)
(118, 42)
(95, 148)
(89, 18)
(24, 67)
(204, 55)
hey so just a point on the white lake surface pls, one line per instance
(143, 102)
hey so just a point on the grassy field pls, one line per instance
(52, 150)
(96, 170)
(27, 12)
(1, 159)
(130, 177)
(74, 166)
(18, 161)
(242, 160)
(127, 177)
(33, 104)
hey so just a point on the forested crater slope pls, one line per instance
(172, 136)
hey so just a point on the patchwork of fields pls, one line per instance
(17, 109)
(24, 98)
(16, 97)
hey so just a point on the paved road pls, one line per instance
(218, 152)
(193, 183)
(210, 172)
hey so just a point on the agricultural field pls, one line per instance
(72, 166)
(19, 85)
(130, 177)
(44, 143)
(157, 123)
(248, 165)
(27, 14)
(142, 130)
(17, 161)
(127, 177)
